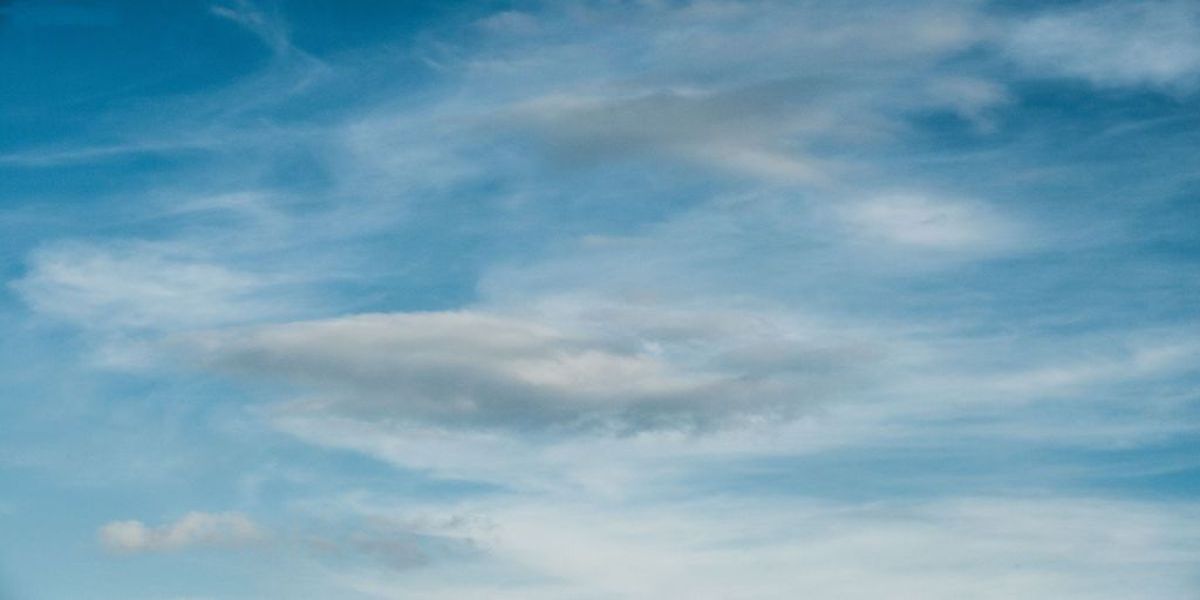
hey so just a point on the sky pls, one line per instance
(607, 299)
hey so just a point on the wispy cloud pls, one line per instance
(642, 300)
(139, 286)
(1114, 44)
(270, 28)
(1070, 548)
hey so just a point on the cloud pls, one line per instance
(925, 222)
(1143, 357)
(974, 99)
(945, 396)
(480, 369)
(750, 90)
(139, 286)
(397, 543)
(268, 27)
(195, 529)
(732, 129)
(235, 117)
(622, 321)
(1113, 44)
(722, 547)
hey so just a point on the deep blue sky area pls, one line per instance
(640, 299)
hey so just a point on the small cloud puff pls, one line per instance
(194, 529)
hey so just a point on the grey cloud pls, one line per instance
(474, 369)
(734, 128)
(396, 550)
(744, 87)
(365, 534)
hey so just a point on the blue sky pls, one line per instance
(611, 299)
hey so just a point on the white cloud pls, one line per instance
(732, 547)
(1113, 44)
(1079, 370)
(195, 529)
(925, 222)
(139, 286)
(270, 28)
